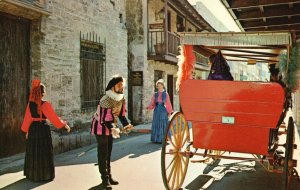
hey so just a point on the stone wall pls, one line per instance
(56, 49)
(137, 51)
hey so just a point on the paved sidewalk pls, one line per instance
(15, 163)
(143, 128)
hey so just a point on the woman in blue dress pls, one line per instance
(161, 104)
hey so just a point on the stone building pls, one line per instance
(153, 41)
(74, 46)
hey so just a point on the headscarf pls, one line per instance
(161, 81)
(36, 94)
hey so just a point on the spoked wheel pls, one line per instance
(174, 160)
(289, 149)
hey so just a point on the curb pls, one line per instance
(141, 130)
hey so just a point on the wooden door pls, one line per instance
(15, 79)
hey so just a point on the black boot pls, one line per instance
(105, 183)
(112, 181)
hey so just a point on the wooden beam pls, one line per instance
(31, 10)
(261, 8)
(248, 55)
(295, 27)
(246, 60)
(255, 58)
(274, 22)
(181, 9)
(270, 12)
(251, 52)
(242, 4)
(248, 47)
(204, 51)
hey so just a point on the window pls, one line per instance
(92, 72)
(179, 24)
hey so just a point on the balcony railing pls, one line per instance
(158, 46)
(159, 49)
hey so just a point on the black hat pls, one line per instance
(115, 80)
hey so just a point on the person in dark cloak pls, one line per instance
(220, 69)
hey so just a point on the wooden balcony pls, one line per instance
(30, 9)
(161, 48)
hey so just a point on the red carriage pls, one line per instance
(232, 116)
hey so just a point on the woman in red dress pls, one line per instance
(38, 165)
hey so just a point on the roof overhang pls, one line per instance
(192, 14)
(266, 15)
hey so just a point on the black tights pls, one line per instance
(104, 154)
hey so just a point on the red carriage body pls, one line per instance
(232, 115)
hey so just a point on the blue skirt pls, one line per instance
(159, 123)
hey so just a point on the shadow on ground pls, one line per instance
(240, 176)
(23, 184)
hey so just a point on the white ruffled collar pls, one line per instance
(114, 96)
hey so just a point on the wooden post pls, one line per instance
(166, 25)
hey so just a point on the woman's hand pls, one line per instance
(68, 128)
(26, 135)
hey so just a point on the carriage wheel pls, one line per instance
(288, 168)
(174, 161)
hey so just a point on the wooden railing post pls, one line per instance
(166, 26)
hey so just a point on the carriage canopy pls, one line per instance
(241, 46)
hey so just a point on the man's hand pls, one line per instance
(115, 132)
(68, 128)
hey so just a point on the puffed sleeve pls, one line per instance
(168, 104)
(152, 103)
(49, 112)
(27, 120)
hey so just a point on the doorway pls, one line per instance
(15, 81)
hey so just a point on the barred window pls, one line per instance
(92, 71)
